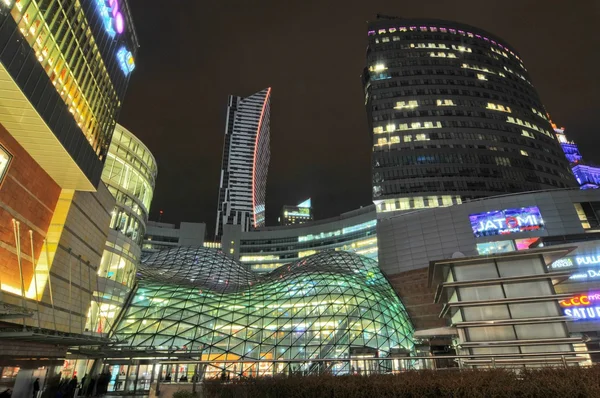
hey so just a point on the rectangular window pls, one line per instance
(5, 159)
(527, 134)
(495, 247)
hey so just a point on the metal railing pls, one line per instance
(198, 370)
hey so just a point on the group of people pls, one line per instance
(66, 387)
(99, 383)
(182, 379)
(58, 387)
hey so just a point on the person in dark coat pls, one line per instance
(105, 378)
(36, 387)
(71, 387)
(90, 387)
(100, 384)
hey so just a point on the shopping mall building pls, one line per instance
(64, 71)
(202, 304)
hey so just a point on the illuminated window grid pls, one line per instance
(123, 175)
(317, 307)
(83, 87)
(363, 245)
(137, 155)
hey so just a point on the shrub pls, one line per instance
(497, 383)
(184, 394)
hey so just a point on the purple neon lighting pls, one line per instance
(444, 30)
(119, 23)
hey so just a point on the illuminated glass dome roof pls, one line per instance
(322, 306)
(196, 267)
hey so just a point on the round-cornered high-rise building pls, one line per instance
(453, 116)
(129, 173)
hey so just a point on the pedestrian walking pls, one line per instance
(36, 387)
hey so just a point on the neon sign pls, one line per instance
(111, 16)
(566, 262)
(508, 221)
(589, 274)
(587, 260)
(580, 300)
(583, 313)
(572, 307)
(126, 62)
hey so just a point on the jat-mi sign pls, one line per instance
(507, 221)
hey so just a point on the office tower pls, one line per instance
(161, 236)
(64, 69)
(245, 162)
(129, 173)
(586, 174)
(453, 116)
(298, 214)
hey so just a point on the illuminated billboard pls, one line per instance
(508, 221)
(582, 306)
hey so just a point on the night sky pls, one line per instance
(194, 53)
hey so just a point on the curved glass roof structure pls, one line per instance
(322, 306)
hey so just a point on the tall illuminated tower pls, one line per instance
(453, 116)
(246, 157)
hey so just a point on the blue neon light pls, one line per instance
(106, 17)
(125, 59)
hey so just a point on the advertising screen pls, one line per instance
(508, 221)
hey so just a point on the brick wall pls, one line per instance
(29, 195)
(411, 286)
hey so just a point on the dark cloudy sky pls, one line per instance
(194, 53)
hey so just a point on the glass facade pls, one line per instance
(323, 306)
(129, 174)
(81, 58)
(453, 113)
(509, 315)
(264, 254)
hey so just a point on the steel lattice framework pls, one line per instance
(322, 306)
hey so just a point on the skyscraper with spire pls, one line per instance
(246, 157)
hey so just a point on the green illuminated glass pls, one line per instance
(322, 306)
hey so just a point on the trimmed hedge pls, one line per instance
(547, 383)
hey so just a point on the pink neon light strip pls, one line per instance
(262, 113)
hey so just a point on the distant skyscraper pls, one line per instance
(298, 214)
(587, 175)
(246, 157)
(453, 116)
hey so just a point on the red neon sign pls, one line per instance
(581, 300)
